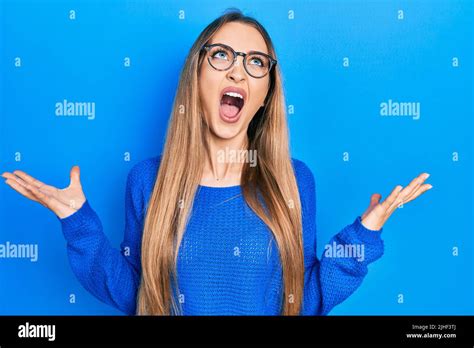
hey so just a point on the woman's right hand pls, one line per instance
(62, 202)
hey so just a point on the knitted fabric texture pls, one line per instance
(228, 260)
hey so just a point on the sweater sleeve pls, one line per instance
(109, 274)
(344, 263)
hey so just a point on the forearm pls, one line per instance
(343, 265)
(103, 270)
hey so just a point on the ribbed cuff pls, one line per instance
(364, 234)
(82, 223)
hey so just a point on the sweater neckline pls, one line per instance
(219, 190)
(211, 195)
(218, 187)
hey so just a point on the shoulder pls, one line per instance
(142, 176)
(307, 191)
(306, 185)
(145, 169)
(140, 182)
(304, 175)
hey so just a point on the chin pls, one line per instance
(225, 131)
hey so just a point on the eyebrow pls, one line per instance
(253, 50)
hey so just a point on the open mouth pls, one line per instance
(231, 104)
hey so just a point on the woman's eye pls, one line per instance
(256, 61)
(220, 55)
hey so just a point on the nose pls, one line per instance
(237, 72)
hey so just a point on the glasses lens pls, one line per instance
(257, 64)
(220, 57)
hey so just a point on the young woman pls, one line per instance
(211, 234)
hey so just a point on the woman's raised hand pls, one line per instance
(377, 213)
(62, 202)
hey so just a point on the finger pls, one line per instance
(416, 191)
(410, 197)
(387, 203)
(374, 200)
(396, 203)
(28, 179)
(50, 190)
(11, 176)
(422, 189)
(75, 176)
(413, 186)
(20, 189)
(401, 200)
(49, 201)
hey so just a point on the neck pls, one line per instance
(222, 166)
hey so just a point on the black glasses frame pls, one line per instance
(273, 62)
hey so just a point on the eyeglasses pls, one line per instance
(222, 57)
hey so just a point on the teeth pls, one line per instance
(234, 94)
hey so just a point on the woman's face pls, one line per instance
(227, 120)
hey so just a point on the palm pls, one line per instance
(69, 196)
(377, 213)
(63, 202)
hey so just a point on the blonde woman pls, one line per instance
(208, 232)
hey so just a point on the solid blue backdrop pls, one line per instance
(341, 60)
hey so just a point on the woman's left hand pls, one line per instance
(377, 213)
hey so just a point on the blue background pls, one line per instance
(336, 110)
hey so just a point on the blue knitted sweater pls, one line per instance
(228, 263)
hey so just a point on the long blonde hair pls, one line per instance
(180, 172)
